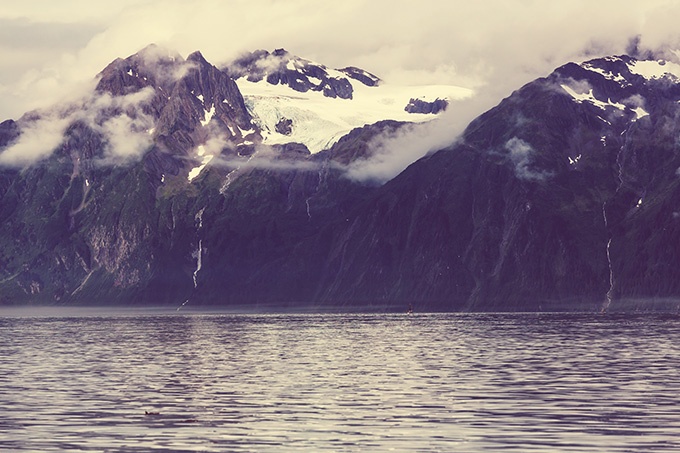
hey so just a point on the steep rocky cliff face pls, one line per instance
(83, 225)
(281, 67)
(292, 99)
(159, 191)
(126, 209)
(565, 196)
(426, 107)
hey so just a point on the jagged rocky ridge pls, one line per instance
(564, 196)
(281, 67)
(426, 107)
(295, 99)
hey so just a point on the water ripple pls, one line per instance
(198, 382)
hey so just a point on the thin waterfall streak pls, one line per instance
(199, 262)
(198, 254)
(316, 190)
(610, 292)
(609, 296)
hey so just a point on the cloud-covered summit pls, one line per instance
(492, 44)
(493, 47)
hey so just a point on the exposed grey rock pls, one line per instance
(281, 67)
(284, 126)
(362, 76)
(9, 131)
(546, 202)
(426, 107)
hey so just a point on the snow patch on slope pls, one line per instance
(206, 158)
(208, 116)
(640, 112)
(590, 97)
(650, 69)
(607, 74)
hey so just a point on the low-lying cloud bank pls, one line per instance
(521, 155)
(126, 133)
(392, 152)
(473, 44)
(493, 47)
(37, 141)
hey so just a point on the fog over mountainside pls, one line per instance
(51, 51)
(277, 181)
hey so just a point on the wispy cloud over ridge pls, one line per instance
(36, 141)
(121, 122)
(493, 47)
(473, 44)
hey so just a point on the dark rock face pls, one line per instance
(362, 76)
(426, 107)
(183, 91)
(563, 197)
(549, 202)
(9, 131)
(284, 126)
(76, 230)
(281, 67)
(191, 102)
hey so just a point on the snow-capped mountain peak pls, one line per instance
(627, 71)
(292, 99)
(622, 84)
(184, 111)
(302, 75)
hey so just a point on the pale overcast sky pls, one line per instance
(51, 49)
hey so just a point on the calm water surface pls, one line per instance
(425, 382)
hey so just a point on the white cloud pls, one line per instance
(521, 155)
(93, 106)
(494, 46)
(125, 133)
(392, 152)
(267, 163)
(478, 44)
(215, 144)
(264, 158)
(64, 12)
(127, 138)
(634, 101)
(37, 141)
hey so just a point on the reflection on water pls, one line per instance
(492, 382)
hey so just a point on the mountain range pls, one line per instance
(178, 183)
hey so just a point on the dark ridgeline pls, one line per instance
(556, 199)
(422, 106)
(281, 67)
